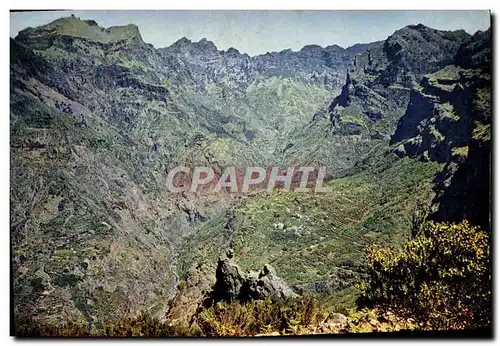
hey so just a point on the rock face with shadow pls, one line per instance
(98, 117)
(448, 120)
(233, 284)
(379, 81)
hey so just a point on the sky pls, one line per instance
(259, 32)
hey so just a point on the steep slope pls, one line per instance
(449, 120)
(379, 81)
(373, 97)
(98, 117)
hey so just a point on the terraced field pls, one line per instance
(315, 237)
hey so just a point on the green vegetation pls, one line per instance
(441, 278)
(353, 114)
(481, 131)
(286, 316)
(308, 237)
(143, 325)
(460, 151)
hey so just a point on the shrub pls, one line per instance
(440, 278)
(286, 316)
(33, 328)
(181, 284)
(143, 325)
(373, 320)
(146, 326)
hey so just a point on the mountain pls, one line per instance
(379, 81)
(374, 96)
(98, 118)
(448, 120)
(42, 37)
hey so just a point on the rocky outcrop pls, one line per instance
(190, 294)
(448, 120)
(230, 283)
(335, 322)
(379, 81)
(229, 280)
(265, 283)
(233, 284)
(476, 51)
(441, 114)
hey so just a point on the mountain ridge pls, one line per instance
(90, 29)
(99, 118)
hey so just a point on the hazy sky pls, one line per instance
(258, 32)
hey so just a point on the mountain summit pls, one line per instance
(99, 120)
(86, 29)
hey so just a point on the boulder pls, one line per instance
(229, 280)
(265, 284)
(233, 284)
(335, 322)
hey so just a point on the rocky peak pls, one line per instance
(206, 42)
(186, 46)
(416, 50)
(334, 48)
(182, 42)
(86, 29)
(233, 52)
(448, 120)
(476, 51)
(233, 284)
(128, 32)
(91, 22)
(447, 104)
(312, 49)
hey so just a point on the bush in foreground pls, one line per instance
(285, 316)
(440, 278)
(144, 325)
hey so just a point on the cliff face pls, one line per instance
(449, 120)
(379, 81)
(97, 119)
(373, 98)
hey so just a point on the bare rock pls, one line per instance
(335, 322)
(233, 284)
(229, 280)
